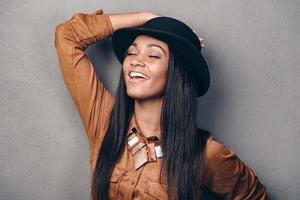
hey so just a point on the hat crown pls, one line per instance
(175, 27)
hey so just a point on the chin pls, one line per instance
(137, 95)
(141, 95)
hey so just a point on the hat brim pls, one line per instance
(122, 39)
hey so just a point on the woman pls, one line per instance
(144, 143)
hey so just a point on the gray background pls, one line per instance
(252, 48)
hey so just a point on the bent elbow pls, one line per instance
(60, 33)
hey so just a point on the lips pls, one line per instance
(138, 75)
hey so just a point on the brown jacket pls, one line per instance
(223, 172)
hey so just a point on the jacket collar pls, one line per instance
(133, 124)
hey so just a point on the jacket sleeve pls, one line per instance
(93, 101)
(227, 176)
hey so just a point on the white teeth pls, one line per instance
(138, 74)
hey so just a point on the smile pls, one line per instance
(138, 75)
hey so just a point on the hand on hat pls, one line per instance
(200, 39)
(201, 42)
(151, 15)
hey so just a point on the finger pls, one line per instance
(200, 38)
(201, 42)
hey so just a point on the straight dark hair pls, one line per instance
(182, 141)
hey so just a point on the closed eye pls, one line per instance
(129, 54)
(154, 57)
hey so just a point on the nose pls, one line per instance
(137, 61)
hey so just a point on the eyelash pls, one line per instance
(157, 57)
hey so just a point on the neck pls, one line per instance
(148, 115)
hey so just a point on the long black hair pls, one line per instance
(182, 142)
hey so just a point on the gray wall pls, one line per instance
(251, 107)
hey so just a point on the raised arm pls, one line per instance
(93, 101)
(122, 20)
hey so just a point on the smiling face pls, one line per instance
(145, 68)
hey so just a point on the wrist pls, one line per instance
(149, 15)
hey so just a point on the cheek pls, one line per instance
(125, 69)
(159, 79)
(124, 66)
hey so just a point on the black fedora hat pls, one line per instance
(176, 34)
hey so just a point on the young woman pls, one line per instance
(144, 143)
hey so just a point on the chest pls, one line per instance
(142, 183)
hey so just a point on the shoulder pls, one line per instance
(217, 157)
(214, 150)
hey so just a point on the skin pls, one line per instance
(149, 56)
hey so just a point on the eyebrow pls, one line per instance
(151, 45)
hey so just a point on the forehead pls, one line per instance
(145, 40)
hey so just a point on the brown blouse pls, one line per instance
(223, 172)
